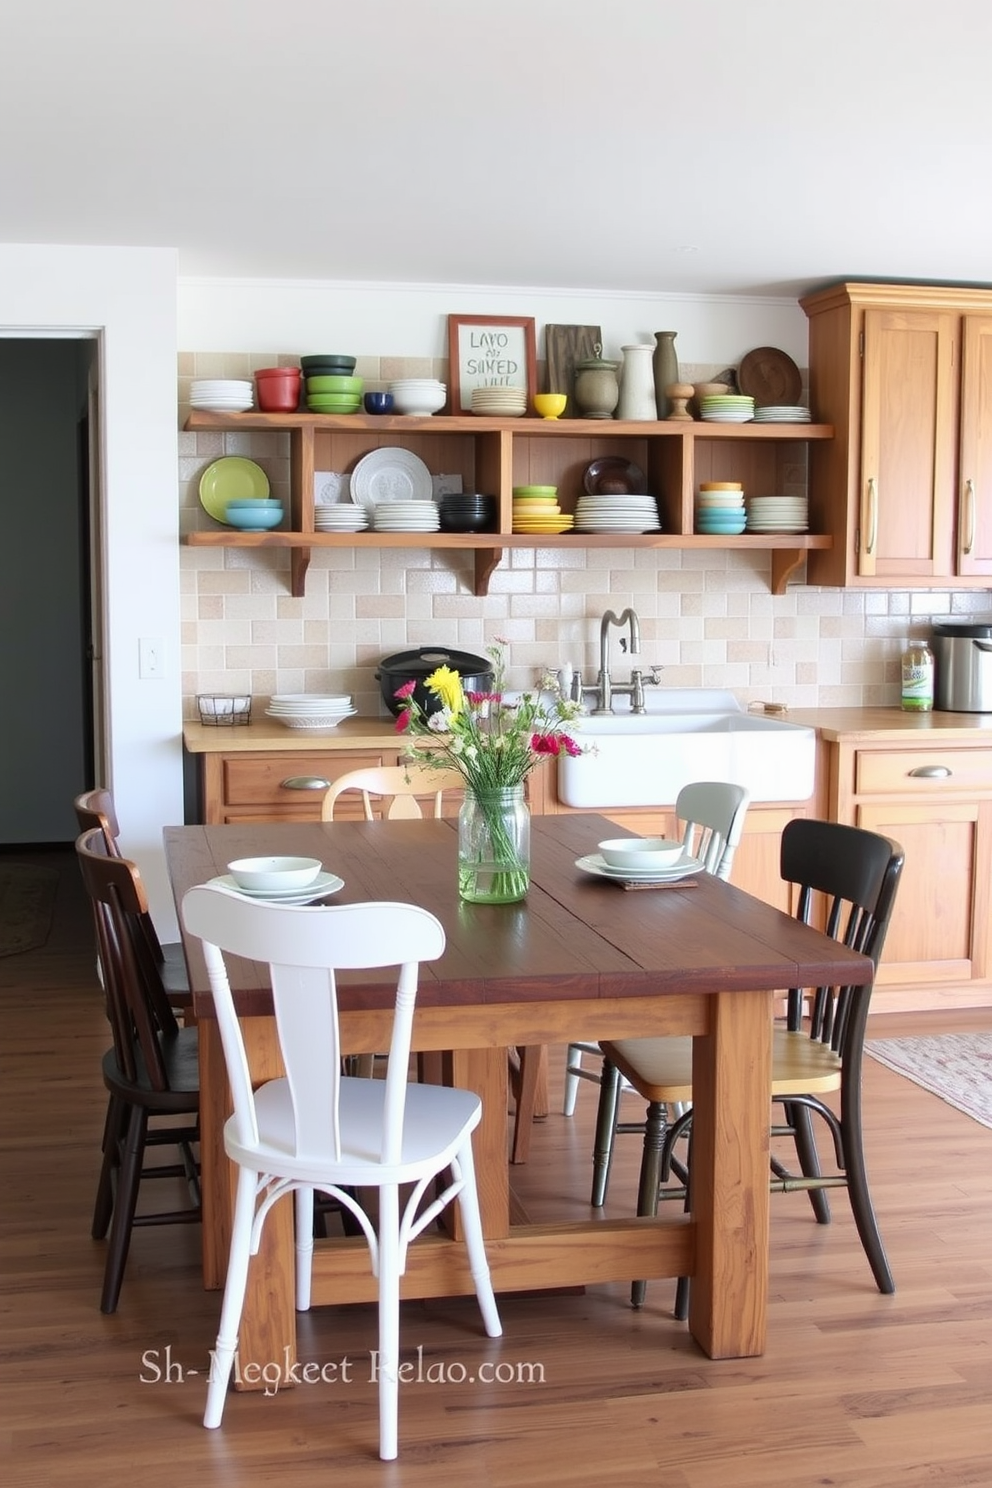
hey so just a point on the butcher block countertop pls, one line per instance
(833, 724)
(353, 733)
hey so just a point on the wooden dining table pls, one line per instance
(580, 958)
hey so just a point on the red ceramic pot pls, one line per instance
(278, 389)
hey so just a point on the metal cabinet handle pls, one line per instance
(872, 515)
(931, 772)
(968, 518)
(305, 782)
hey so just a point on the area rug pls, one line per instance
(955, 1066)
(27, 899)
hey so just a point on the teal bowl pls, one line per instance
(258, 521)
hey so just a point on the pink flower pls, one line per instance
(407, 690)
(402, 719)
(477, 698)
(554, 744)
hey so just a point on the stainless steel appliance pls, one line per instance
(962, 649)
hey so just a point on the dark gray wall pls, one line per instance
(43, 569)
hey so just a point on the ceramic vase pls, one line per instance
(637, 394)
(596, 389)
(666, 370)
(494, 846)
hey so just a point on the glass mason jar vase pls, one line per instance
(494, 846)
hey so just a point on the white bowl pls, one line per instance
(423, 401)
(640, 852)
(261, 874)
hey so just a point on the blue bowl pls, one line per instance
(254, 521)
(378, 402)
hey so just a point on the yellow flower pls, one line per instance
(447, 685)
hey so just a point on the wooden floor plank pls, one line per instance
(855, 1389)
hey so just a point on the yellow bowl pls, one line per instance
(550, 405)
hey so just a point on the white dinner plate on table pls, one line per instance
(597, 864)
(323, 885)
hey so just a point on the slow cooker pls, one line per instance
(413, 666)
(962, 653)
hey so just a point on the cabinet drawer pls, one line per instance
(949, 769)
(261, 779)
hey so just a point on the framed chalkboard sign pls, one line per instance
(490, 351)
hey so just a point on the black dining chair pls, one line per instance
(95, 809)
(150, 1071)
(817, 1048)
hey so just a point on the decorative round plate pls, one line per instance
(232, 478)
(390, 475)
(770, 376)
(323, 885)
(614, 476)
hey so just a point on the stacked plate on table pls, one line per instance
(777, 514)
(499, 402)
(405, 516)
(221, 394)
(595, 863)
(616, 514)
(342, 516)
(320, 887)
(318, 711)
(720, 508)
(727, 408)
(784, 413)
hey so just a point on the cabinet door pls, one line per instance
(974, 535)
(940, 925)
(909, 411)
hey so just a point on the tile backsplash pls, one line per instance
(707, 617)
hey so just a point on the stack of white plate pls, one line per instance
(727, 408)
(220, 395)
(343, 516)
(405, 516)
(499, 402)
(782, 413)
(322, 886)
(777, 514)
(616, 514)
(310, 710)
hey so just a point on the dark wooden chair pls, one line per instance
(151, 1070)
(817, 1049)
(95, 809)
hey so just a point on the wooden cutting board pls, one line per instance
(565, 346)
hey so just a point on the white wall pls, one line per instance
(128, 298)
(405, 320)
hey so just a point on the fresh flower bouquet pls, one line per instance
(493, 744)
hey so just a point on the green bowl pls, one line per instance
(335, 384)
(334, 405)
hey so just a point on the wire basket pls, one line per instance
(224, 709)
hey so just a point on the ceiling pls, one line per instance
(649, 146)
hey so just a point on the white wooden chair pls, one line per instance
(713, 814)
(398, 788)
(315, 1129)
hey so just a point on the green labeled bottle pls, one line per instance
(917, 678)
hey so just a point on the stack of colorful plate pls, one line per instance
(339, 516)
(777, 514)
(221, 394)
(727, 408)
(309, 710)
(782, 413)
(405, 516)
(536, 509)
(616, 514)
(333, 393)
(499, 402)
(720, 508)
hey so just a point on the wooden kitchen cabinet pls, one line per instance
(904, 373)
(936, 799)
(493, 455)
(269, 785)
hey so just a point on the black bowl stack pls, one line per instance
(467, 513)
